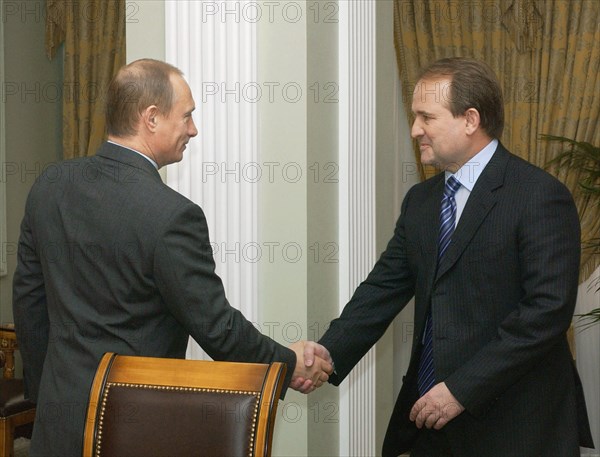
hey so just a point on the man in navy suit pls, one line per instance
(489, 249)
(112, 260)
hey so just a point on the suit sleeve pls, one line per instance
(30, 307)
(194, 293)
(373, 306)
(548, 244)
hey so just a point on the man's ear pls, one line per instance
(149, 118)
(473, 121)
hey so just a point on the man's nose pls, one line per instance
(416, 130)
(193, 130)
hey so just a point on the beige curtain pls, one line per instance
(93, 32)
(546, 54)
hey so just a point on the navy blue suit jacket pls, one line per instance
(502, 300)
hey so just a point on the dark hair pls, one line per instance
(135, 87)
(474, 85)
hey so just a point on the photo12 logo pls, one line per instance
(68, 11)
(274, 251)
(271, 172)
(269, 91)
(269, 11)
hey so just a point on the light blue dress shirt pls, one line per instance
(468, 175)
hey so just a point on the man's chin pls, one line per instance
(427, 158)
(174, 159)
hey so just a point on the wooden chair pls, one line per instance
(571, 340)
(158, 407)
(16, 413)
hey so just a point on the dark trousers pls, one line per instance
(431, 443)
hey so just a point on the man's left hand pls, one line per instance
(436, 408)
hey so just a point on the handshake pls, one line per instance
(313, 366)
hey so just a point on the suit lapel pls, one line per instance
(479, 204)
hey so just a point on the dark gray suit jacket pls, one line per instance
(112, 259)
(502, 300)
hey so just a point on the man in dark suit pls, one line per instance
(112, 259)
(490, 250)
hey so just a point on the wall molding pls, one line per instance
(219, 59)
(357, 60)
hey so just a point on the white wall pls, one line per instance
(587, 344)
(322, 210)
(145, 29)
(283, 203)
(145, 34)
(395, 175)
(3, 267)
(31, 95)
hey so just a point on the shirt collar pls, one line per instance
(469, 173)
(154, 164)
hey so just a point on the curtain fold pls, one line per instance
(93, 32)
(55, 26)
(546, 54)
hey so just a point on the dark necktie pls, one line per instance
(426, 376)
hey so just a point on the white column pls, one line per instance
(357, 206)
(214, 44)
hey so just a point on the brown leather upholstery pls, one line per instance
(11, 397)
(16, 413)
(162, 407)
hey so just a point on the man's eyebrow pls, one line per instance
(423, 113)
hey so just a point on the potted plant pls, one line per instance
(585, 157)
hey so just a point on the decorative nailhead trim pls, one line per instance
(176, 388)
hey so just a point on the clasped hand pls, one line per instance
(436, 408)
(313, 366)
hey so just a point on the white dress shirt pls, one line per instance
(154, 164)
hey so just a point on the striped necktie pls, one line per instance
(426, 376)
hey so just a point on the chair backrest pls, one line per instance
(157, 407)
(16, 413)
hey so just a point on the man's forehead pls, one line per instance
(181, 89)
(178, 82)
(432, 90)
